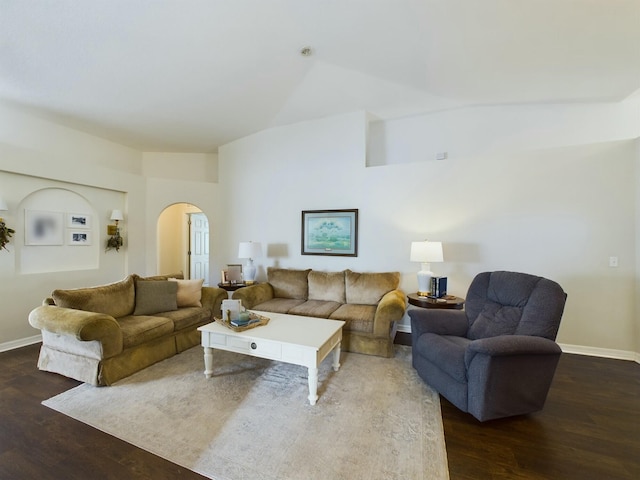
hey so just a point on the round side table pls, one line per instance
(448, 301)
(233, 287)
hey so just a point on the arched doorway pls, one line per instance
(183, 241)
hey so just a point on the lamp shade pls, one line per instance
(116, 215)
(3, 205)
(249, 250)
(426, 252)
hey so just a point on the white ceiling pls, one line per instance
(190, 75)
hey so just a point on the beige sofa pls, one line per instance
(101, 334)
(369, 303)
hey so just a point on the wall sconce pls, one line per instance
(115, 240)
(5, 232)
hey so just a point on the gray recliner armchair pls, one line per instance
(497, 357)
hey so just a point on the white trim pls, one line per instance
(22, 342)
(404, 328)
(600, 352)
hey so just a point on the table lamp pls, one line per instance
(426, 252)
(249, 250)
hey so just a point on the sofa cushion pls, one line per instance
(315, 308)
(115, 299)
(140, 329)
(187, 317)
(288, 283)
(327, 286)
(359, 318)
(189, 292)
(278, 305)
(369, 288)
(154, 296)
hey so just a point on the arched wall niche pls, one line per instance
(57, 230)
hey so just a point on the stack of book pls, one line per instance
(243, 322)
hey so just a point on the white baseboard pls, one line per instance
(600, 352)
(566, 348)
(404, 328)
(23, 342)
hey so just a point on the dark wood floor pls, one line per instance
(589, 429)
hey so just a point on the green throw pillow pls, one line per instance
(155, 296)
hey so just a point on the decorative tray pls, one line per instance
(256, 321)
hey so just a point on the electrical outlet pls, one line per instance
(613, 261)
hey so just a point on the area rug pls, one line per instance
(375, 418)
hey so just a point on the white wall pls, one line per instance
(556, 212)
(559, 211)
(37, 154)
(43, 155)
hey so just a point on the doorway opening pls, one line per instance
(183, 242)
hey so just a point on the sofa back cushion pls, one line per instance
(328, 286)
(115, 299)
(369, 288)
(289, 283)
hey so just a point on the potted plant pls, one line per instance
(114, 241)
(5, 234)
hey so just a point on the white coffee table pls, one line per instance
(304, 341)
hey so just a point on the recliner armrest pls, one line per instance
(438, 321)
(81, 325)
(511, 345)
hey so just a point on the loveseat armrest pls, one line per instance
(212, 299)
(254, 294)
(438, 321)
(390, 309)
(81, 325)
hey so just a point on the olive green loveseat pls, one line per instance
(102, 334)
(369, 303)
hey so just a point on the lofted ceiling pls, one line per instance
(190, 75)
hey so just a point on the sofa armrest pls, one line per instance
(81, 325)
(511, 345)
(254, 294)
(438, 321)
(390, 309)
(212, 299)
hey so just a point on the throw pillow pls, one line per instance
(189, 292)
(155, 296)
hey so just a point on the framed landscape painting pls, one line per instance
(330, 232)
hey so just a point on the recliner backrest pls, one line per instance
(508, 303)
